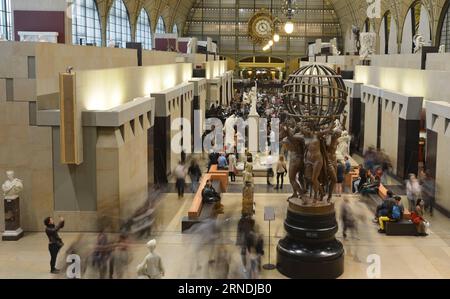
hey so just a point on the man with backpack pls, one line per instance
(394, 215)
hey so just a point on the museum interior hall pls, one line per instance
(225, 139)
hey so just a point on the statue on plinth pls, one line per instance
(253, 98)
(315, 98)
(419, 43)
(368, 45)
(12, 188)
(248, 190)
(151, 267)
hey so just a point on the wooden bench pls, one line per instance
(349, 178)
(221, 174)
(382, 192)
(199, 211)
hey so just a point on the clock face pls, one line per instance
(261, 27)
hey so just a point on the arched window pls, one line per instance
(118, 29)
(160, 26)
(445, 31)
(385, 33)
(175, 29)
(5, 20)
(86, 28)
(417, 22)
(367, 25)
(143, 31)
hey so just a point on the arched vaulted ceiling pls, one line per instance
(349, 12)
(352, 12)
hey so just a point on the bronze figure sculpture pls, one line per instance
(315, 98)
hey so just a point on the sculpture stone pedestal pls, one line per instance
(13, 231)
(310, 249)
(248, 200)
(253, 133)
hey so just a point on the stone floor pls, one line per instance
(187, 255)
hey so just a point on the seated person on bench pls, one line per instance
(384, 208)
(222, 163)
(209, 194)
(418, 220)
(371, 186)
(394, 215)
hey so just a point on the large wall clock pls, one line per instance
(261, 27)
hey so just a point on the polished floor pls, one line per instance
(188, 255)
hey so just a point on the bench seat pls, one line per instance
(401, 228)
(199, 211)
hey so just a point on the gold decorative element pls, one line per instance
(261, 27)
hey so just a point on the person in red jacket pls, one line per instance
(417, 218)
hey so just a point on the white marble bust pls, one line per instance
(12, 186)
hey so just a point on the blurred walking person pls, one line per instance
(102, 254)
(340, 177)
(348, 219)
(413, 191)
(195, 174)
(180, 175)
(232, 161)
(120, 258)
(281, 172)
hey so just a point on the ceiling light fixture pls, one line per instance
(289, 27)
(276, 37)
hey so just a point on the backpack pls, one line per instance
(396, 212)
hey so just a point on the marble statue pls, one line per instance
(419, 42)
(246, 98)
(189, 47)
(111, 44)
(12, 186)
(343, 147)
(368, 44)
(230, 122)
(334, 47)
(442, 49)
(151, 267)
(337, 125)
(253, 98)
